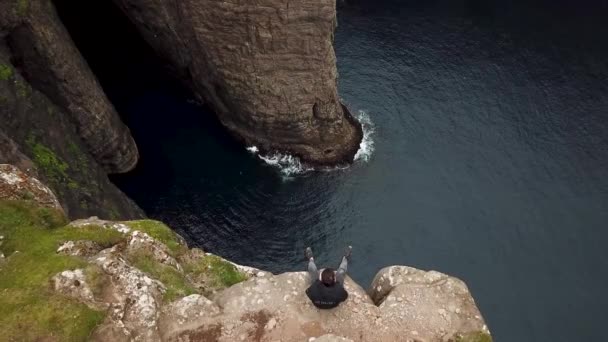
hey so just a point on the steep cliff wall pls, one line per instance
(266, 66)
(55, 121)
(46, 57)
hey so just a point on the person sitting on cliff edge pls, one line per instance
(327, 288)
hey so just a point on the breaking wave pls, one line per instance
(290, 166)
(287, 164)
(366, 147)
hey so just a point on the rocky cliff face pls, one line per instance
(44, 54)
(138, 281)
(55, 121)
(266, 66)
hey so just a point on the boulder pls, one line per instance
(140, 242)
(186, 314)
(74, 284)
(16, 185)
(134, 302)
(431, 305)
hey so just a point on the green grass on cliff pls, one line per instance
(477, 336)
(29, 309)
(6, 72)
(22, 7)
(53, 167)
(176, 283)
(220, 272)
(160, 232)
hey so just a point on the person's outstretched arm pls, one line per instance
(312, 267)
(341, 273)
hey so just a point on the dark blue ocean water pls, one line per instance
(490, 162)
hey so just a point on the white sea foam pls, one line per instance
(290, 166)
(366, 147)
(253, 149)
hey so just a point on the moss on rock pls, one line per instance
(160, 232)
(48, 162)
(217, 272)
(6, 72)
(175, 282)
(22, 7)
(477, 336)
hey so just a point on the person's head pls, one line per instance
(328, 277)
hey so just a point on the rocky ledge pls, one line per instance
(103, 280)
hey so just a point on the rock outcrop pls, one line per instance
(45, 55)
(16, 185)
(267, 67)
(437, 305)
(55, 121)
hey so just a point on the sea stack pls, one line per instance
(267, 67)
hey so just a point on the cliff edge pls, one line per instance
(138, 281)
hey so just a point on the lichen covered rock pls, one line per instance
(135, 301)
(16, 185)
(80, 248)
(73, 283)
(431, 304)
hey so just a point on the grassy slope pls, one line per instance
(31, 311)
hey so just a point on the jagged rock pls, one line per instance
(189, 312)
(267, 67)
(52, 63)
(79, 248)
(139, 242)
(95, 221)
(16, 185)
(74, 284)
(202, 281)
(432, 304)
(134, 304)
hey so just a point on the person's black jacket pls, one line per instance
(326, 297)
